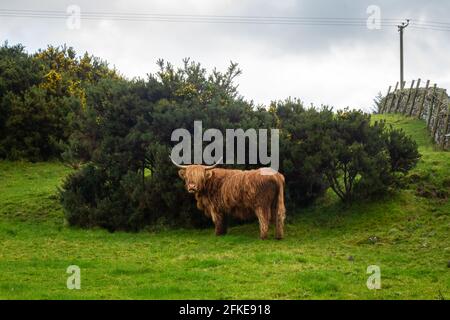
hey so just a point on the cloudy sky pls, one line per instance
(321, 64)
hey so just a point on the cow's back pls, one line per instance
(244, 190)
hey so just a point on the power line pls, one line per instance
(130, 14)
(431, 22)
(335, 21)
(430, 28)
(222, 19)
(234, 21)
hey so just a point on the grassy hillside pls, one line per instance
(325, 254)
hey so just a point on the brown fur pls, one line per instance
(238, 193)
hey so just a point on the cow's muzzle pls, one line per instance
(192, 188)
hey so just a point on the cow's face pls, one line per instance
(194, 177)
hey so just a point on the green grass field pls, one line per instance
(325, 254)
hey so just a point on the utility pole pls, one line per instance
(400, 29)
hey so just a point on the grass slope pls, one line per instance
(325, 254)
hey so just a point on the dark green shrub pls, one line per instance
(366, 159)
(303, 133)
(402, 149)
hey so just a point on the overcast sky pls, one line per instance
(334, 65)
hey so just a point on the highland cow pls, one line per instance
(241, 194)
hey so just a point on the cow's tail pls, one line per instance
(280, 211)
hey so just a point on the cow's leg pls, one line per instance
(279, 225)
(219, 223)
(223, 227)
(263, 218)
(279, 212)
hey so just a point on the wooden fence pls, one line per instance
(429, 103)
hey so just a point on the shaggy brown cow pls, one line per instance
(238, 193)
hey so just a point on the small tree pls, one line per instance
(377, 103)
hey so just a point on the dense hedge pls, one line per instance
(124, 137)
(116, 134)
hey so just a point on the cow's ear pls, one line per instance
(181, 173)
(209, 174)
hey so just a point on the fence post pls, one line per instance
(393, 98)
(419, 115)
(414, 97)
(409, 97)
(430, 111)
(383, 108)
(400, 97)
(445, 126)
(438, 116)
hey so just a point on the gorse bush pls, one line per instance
(303, 133)
(40, 94)
(363, 159)
(402, 150)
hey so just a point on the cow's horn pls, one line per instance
(178, 165)
(214, 165)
